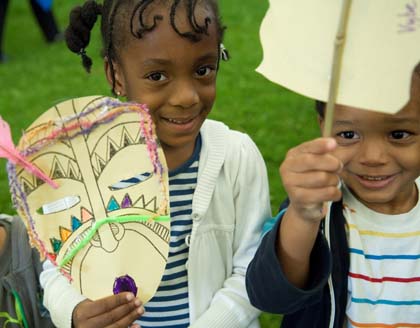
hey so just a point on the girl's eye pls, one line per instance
(348, 135)
(156, 77)
(204, 71)
(398, 135)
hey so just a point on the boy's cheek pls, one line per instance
(345, 155)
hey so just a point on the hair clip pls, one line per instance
(82, 52)
(224, 53)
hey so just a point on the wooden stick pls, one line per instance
(336, 67)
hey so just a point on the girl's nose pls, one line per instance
(184, 94)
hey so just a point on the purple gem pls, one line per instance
(124, 284)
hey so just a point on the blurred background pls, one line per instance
(38, 74)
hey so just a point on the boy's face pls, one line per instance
(381, 154)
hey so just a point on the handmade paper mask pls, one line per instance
(381, 48)
(109, 215)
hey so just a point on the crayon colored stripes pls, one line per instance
(384, 325)
(384, 234)
(384, 279)
(384, 302)
(384, 257)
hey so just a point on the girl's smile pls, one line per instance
(182, 123)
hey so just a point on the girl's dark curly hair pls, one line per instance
(120, 16)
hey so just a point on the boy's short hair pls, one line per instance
(320, 107)
(417, 69)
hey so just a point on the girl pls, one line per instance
(165, 54)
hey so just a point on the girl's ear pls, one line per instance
(119, 87)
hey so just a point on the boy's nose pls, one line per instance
(373, 153)
(184, 94)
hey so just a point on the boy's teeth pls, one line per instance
(374, 178)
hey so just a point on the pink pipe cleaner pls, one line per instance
(9, 151)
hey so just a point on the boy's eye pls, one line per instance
(400, 135)
(204, 71)
(157, 76)
(348, 135)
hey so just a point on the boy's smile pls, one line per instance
(381, 154)
(175, 78)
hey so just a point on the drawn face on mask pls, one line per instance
(109, 216)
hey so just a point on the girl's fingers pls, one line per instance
(107, 311)
(121, 316)
(127, 321)
(106, 304)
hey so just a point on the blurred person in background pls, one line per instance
(43, 14)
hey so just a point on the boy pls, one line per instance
(20, 294)
(370, 276)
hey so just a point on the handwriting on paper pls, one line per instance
(410, 18)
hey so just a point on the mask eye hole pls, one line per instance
(127, 183)
(60, 205)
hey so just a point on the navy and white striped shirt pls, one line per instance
(169, 307)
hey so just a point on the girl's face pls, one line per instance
(175, 78)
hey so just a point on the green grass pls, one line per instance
(39, 75)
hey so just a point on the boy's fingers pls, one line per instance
(317, 146)
(311, 180)
(312, 156)
(308, 198)
(307, 162)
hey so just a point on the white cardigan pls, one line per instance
(230, 204)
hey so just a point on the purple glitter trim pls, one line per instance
(124, 284)
(65, 135)
(18, 193)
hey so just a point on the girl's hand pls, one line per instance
(110, 312)
(310, 177)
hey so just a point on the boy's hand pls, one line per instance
(114, 311)
(310, 177)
